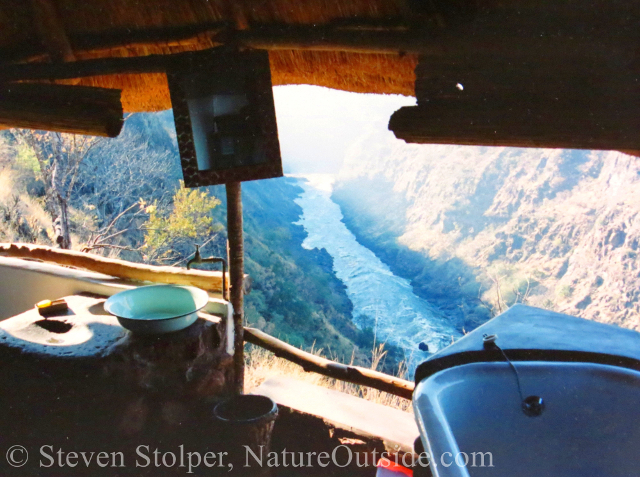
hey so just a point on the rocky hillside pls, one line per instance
(482, 228)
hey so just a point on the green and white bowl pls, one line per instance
(157, 309)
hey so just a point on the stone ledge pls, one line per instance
(396, 429)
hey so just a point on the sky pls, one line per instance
(317, 125)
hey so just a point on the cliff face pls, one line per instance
(553, 228)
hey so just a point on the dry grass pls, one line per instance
(6, 184)
(261, 364)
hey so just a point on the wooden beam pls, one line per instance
(84, 68)
(62, 108)
(51, 31)
(327, 38)
(210, 281)
(202, 34)
(316, 364)
(519, 123)
(236, 271)
(188, 35)
(423, 41)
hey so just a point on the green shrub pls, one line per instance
(564, 291)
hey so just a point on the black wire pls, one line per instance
(514, 370)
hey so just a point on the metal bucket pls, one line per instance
(247, 422)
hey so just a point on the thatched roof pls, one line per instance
(85, 22)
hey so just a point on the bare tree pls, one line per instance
(114, 185)
(500, 304)
(104, 237)
(59, 156)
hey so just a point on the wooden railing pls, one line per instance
(210, 281)
(310, 362)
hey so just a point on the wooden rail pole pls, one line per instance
(317, 364)
(236, 271)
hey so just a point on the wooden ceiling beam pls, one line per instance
(84, 68)
(329, 38)
(62, 108)
(512, 45)
(520, 122)
(188, 35)
(85, 43)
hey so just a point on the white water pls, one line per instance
(396, 314)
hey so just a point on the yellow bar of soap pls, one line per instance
(52, 307)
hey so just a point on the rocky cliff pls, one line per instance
(482, 228)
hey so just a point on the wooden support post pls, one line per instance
(236, 270)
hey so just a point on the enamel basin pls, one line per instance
(588, 426)
(157, 309)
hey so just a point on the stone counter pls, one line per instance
(81, 380)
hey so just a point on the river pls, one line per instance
(387, 301)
